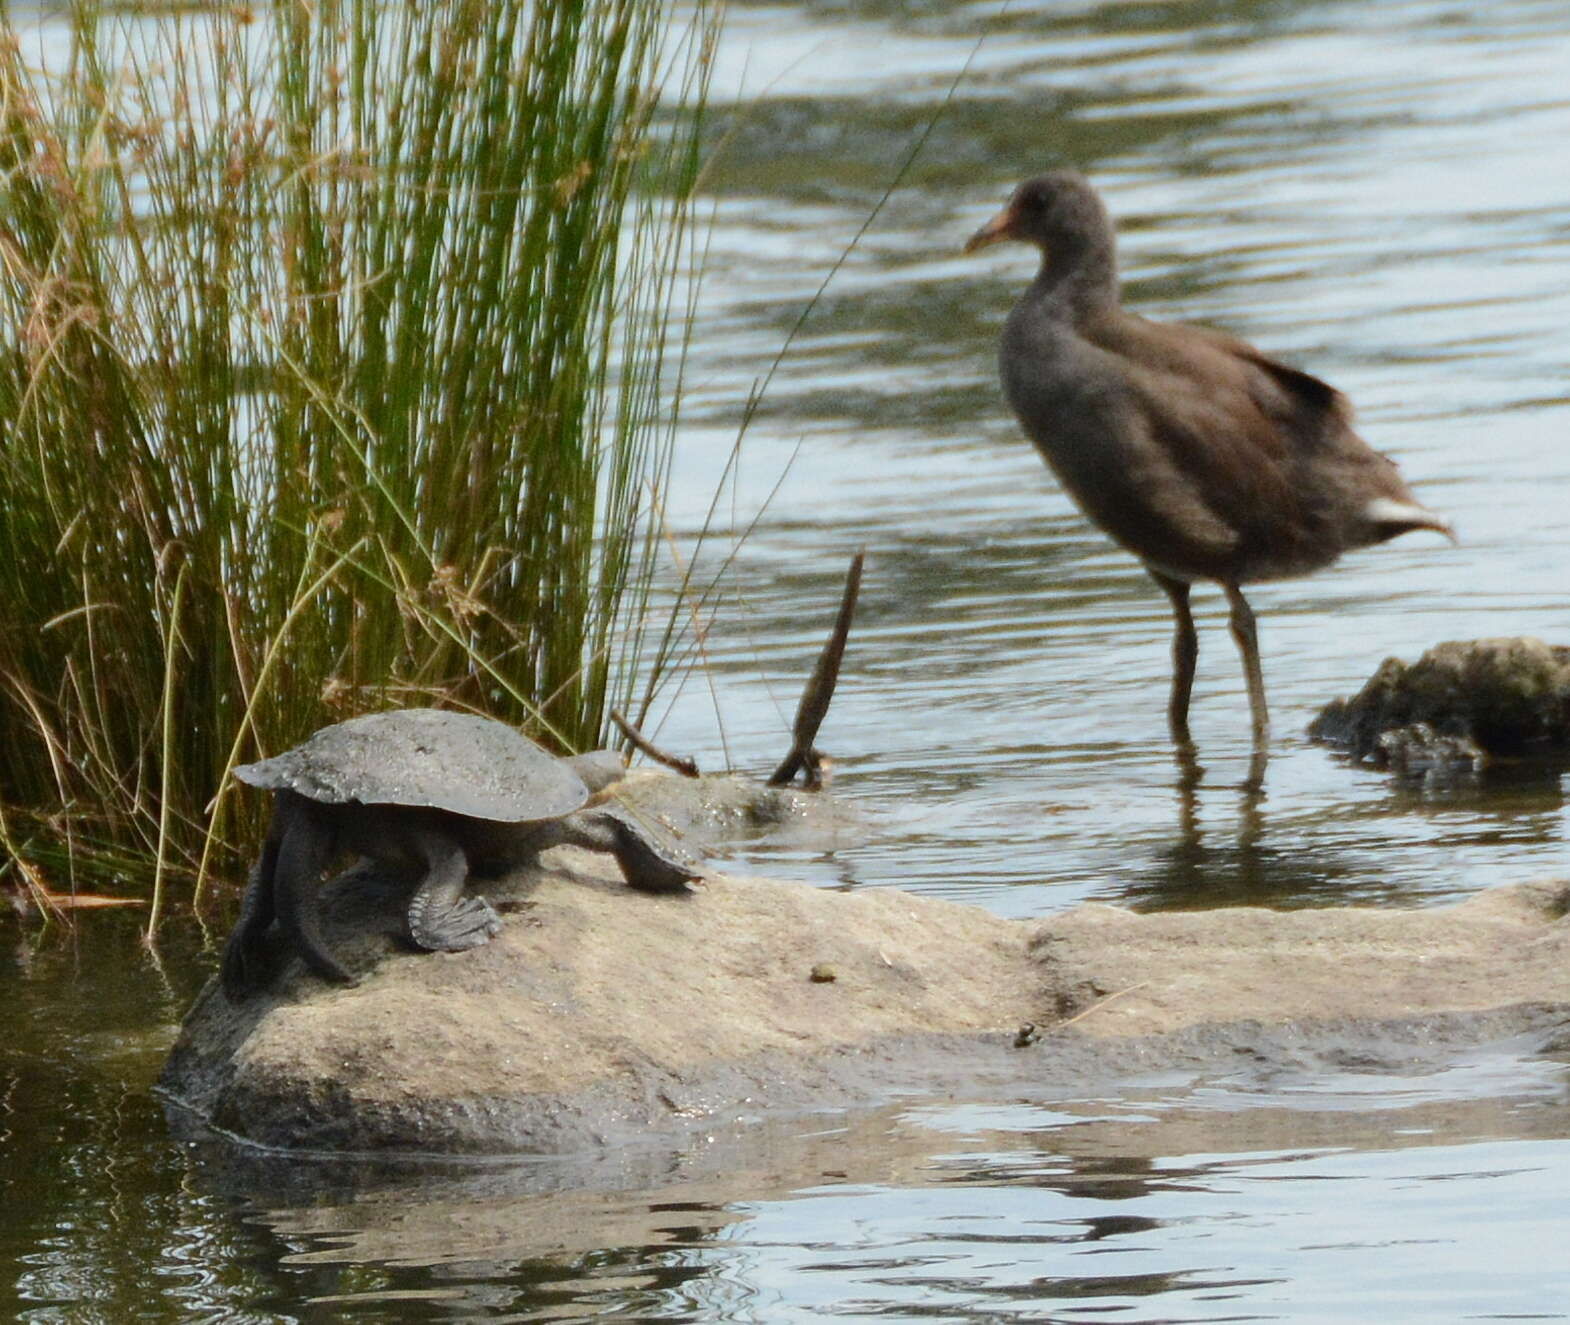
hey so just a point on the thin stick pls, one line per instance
(1096, 1007)
(688, 768)
(819, 689)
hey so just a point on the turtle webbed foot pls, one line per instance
(442, 916)
(467, 923)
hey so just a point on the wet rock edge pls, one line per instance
(1131, 994)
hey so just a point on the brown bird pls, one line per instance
(1194, 451)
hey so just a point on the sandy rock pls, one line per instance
(1461, 706)
(601, 1014)
(1191, 968)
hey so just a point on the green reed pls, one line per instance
(338, 348)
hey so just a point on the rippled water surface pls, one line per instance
(1379, 193)
(1375, 193)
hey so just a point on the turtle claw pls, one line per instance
(241, 973)
(468, 923)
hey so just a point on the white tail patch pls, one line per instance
(1407, 514)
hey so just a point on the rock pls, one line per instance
(727, 807)
(1461, 707)
(602, 1017)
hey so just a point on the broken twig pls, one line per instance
(1096, 1007)
(688, 768)
(819, 691)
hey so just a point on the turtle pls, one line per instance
(442, 793)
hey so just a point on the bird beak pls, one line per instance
(999, 228)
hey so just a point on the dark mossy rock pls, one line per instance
(1459, 708)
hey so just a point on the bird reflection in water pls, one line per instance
(1189, 873)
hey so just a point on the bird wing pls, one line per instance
(1226, 428)
(1281, 392)
(1322, 454)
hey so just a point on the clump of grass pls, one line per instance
(335, 352)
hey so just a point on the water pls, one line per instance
(1367, 191)
(1376, 193)
(1433, 1191)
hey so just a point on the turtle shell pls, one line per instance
(426, 758)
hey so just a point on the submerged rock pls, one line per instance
(716, 808)
(600, 1017)
(1459, 708)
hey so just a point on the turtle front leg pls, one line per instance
(646, 863)
(441, 918)
(241, 973)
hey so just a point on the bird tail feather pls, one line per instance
(1402, 517)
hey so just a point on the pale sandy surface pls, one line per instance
(600, 1012)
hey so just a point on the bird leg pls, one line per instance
(1247, 638)
(1185, 653)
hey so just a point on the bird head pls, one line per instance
(1060, 213)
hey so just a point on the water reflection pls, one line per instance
(953, 1209)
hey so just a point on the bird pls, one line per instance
(1189, 447)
